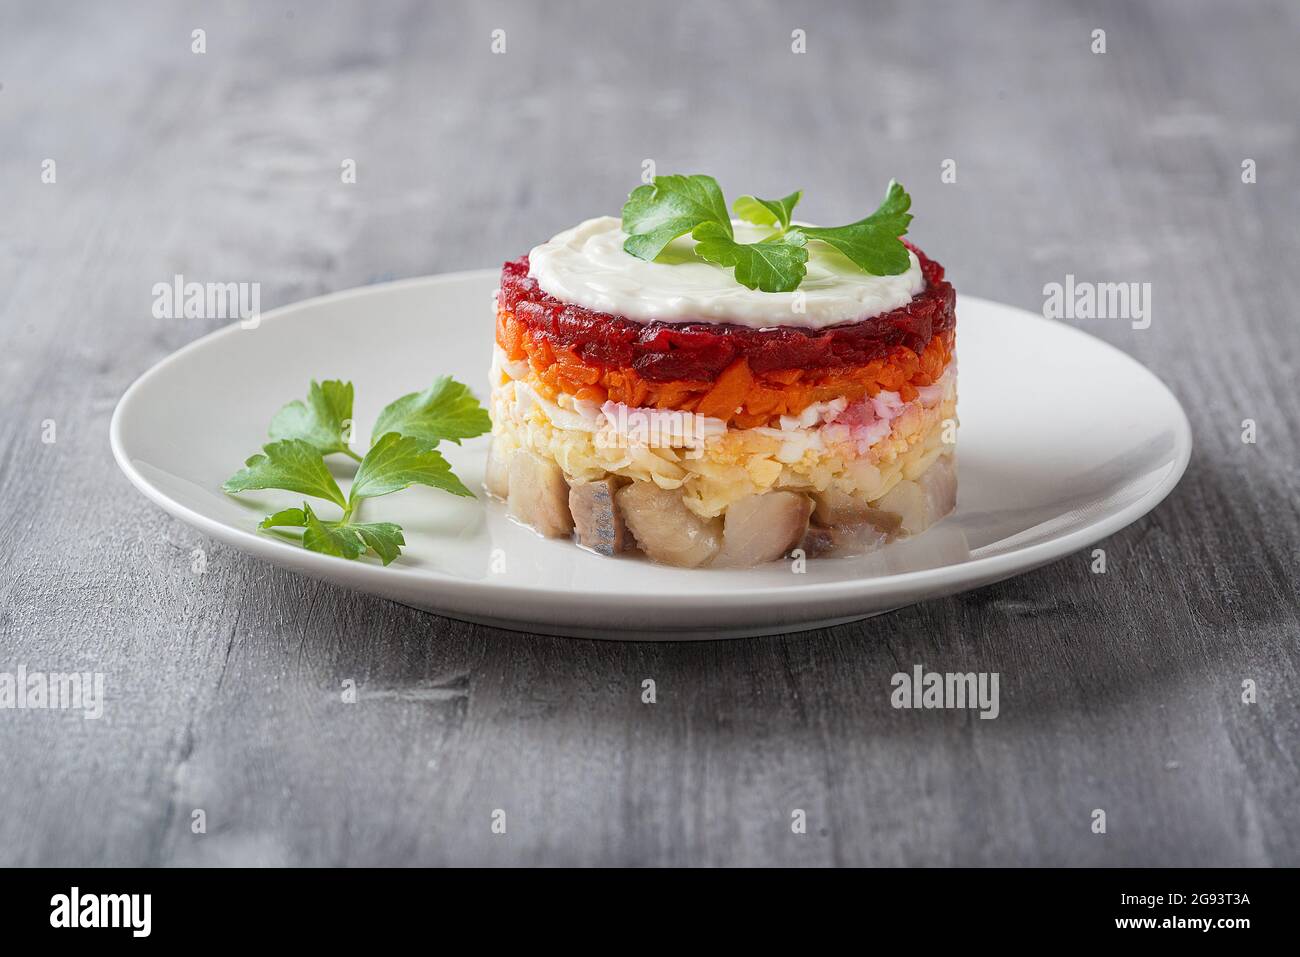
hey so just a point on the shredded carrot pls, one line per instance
(727, 397)
(784, 376)
(738, 396)
(575, 369)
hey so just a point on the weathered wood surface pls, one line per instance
(1119, 691)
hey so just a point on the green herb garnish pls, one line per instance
(767, 212)
(398, 461)
(291, 464)
(656, 214)
(445, 410)
(403, 453)
(872, 243)
(324, 420)
(775, 264)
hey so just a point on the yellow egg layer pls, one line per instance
(723, 468)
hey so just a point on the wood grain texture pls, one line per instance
(1118, 691)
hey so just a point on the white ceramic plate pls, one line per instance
(1063, 441)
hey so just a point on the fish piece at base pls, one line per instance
(539, 495)
(665, 529)
(762, 528)
(596, 517)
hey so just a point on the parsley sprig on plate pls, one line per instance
(403, 452)
(672, 206)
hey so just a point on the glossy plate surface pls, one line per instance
(1064, 440)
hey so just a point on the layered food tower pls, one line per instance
(664, 407)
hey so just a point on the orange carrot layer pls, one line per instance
(738, 396)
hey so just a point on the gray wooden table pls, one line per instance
(1120, 692)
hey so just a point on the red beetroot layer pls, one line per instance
(700, 351)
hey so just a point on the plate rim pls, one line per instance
(942, 579)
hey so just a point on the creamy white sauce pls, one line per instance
(586, 266)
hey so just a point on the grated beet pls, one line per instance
(700, 351)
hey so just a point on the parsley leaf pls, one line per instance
(767, 212)
(777, 264)
(330, 539)
(402, 455)
(286, 518)
(656, 214)
(344, 539)
(383, 538)
(291, 464)
(398, 461)
(445, 410)
(873, 243)
(323, 421)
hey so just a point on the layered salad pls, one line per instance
(724, 386)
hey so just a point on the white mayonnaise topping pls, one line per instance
(586, 266)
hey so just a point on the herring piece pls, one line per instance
(847, 525)
(841, 541)
(762, 528)
(835, 507)
(538, 494)
(496, 477)
(665, 528)
(817, 542)
(598, 521)
(921, 503)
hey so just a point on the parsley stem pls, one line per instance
(350, 454)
